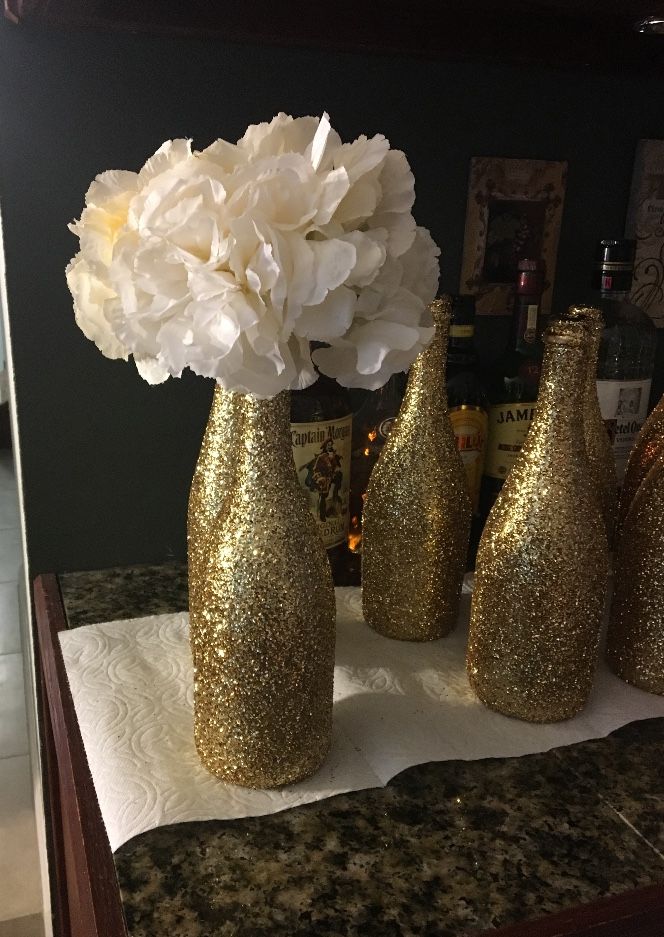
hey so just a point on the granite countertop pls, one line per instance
(445, 849)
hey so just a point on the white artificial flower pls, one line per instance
(231, 260)
(391, 325)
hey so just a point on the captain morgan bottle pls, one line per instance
(321, 435)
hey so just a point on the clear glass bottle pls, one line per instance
(513, 383)
(321, 432)
(627, 351)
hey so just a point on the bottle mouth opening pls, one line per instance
(570, 334)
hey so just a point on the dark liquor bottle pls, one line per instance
(321, 430)
(467, 400)
(513, 383)
(372, 423)
(627, 350)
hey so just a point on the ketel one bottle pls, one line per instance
(321, 430)
(467, 401)
(514, 383)
(627, 350)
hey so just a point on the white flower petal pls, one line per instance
(151, 370)
(329, 319)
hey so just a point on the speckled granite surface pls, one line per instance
(446, 849)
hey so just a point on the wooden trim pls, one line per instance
(637, 913)
(93, 894)
(85, 872)
(53, 815)
(561, 33)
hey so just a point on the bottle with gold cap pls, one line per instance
(542, 564)
(417, 510)
(635, 640)
(649, 443)
(598, 445)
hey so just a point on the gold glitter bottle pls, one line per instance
(542, 564)
(212, 484)
(263, 689)
(649, 444)
(635, 641)
(598, 445)
(417, 512)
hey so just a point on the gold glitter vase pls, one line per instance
(416, 522)
(263, 689)
(598, 445)
(635, 641)
(212, 485)
(542, 563)
(649, 444)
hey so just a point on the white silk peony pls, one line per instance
(231, 260)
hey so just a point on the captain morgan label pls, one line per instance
(508, 427)
(322, 460)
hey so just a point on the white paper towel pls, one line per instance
(397, 704)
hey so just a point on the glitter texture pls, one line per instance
(212, 486)
(635, 642)
(598, 445)
(542, 563)
(649, 444)
(265, 664)
(416, 522)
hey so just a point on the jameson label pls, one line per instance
(470, 425)
(508, 427)
(322, 459)
(624, 406)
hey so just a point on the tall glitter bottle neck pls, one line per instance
(267, 451)
(425, 393)
(562, 390)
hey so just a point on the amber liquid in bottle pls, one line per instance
(321, 432)
(467, 405)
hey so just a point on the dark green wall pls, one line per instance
(107, 460)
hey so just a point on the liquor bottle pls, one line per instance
(627, 350)
(513, 383)
(467, 404)
(648, 446)
(321, 432)
(542, 564)
(598, 444)
(372, 423)
(417, 510)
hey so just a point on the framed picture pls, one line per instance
(645, 223)
(514, 211)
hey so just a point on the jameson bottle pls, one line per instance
(514, 383)
(321, 431)
(467, 402)
(627, 350)
(372, 423)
